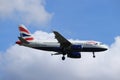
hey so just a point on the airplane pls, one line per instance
(62, 46)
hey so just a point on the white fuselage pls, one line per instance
(86, 46)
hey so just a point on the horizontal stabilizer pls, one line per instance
(23, 40)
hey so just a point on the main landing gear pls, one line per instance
(93, 55)
(63, 58)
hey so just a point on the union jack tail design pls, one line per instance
(25, 33)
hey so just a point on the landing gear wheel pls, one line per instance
(93, 55)
(63, 58)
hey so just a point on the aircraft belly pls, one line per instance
(56, 49)
(88, 49)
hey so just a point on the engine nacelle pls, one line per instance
(74, 55)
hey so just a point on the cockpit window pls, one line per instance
(99, 43)
(96, 43)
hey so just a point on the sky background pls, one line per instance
(79, 19)
(75, 19)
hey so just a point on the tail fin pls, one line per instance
(25, 33)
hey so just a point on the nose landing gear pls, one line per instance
(93, 55)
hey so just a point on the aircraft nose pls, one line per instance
(104, 49)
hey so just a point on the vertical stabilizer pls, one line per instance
(25, 33)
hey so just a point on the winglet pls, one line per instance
(56, 33)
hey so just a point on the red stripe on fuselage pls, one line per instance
(23, 29)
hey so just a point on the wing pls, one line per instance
(63, 42)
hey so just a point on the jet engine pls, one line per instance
(74, 55)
